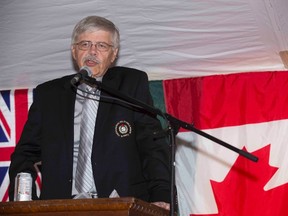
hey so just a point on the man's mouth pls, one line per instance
(90, 63)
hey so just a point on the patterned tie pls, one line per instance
(84, 181)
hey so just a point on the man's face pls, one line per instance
(98, 61)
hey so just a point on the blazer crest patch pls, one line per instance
(123, 128)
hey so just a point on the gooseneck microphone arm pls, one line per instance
(174, 121)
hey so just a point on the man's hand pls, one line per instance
(162, 205)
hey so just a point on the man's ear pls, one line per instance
(115, 53)
(73, 51)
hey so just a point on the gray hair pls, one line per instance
(94, 23)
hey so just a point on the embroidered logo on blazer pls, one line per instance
(123, 129)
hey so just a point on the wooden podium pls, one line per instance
(82, 207)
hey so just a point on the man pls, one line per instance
(124, 159)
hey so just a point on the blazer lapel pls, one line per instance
(68, 97)
(105, 105)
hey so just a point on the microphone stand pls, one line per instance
(174, 125)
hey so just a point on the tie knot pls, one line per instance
(90, 91)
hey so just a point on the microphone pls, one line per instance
(83, 72)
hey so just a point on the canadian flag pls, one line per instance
(248, 111)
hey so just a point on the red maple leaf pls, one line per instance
(242, 192)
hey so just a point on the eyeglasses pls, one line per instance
(86, 45)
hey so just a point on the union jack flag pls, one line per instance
(14, 106)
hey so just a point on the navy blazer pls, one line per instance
(133, 162)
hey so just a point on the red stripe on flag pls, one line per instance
(5, 124)
(38, 181)
(21, 111)
(6, 195)
(5, 153)
(228, 100)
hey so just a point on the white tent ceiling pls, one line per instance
(166, 38)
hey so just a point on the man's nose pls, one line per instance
(93, 48)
